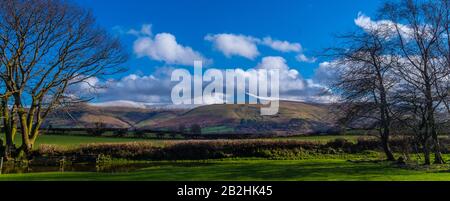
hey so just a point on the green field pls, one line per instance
(75, 140)
(349, 167)
(325, 138)
(254, 170)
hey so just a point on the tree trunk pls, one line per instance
(10, 128)
(436, 148)
(426, 154)
(387, 148)
(430, 120)
(27, 145)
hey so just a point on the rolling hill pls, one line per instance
(293, 118)
(84, 115)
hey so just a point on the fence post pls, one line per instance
(1, 165)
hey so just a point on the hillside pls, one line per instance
(84, 115)
(293, 118)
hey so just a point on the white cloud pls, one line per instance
(327, 73)
(282, 46)
(384, 27)
(293, 86)
(247, 46)
(235, 45)
(303, 58)
(146, 30)
(164, 47)
(143, 90)
(121, 103)
(290, 79)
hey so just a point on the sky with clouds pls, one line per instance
(161, 35)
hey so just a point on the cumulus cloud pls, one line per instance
(155, 89)
(327, 73)
(146, 30)
(290, 79)
(385, 27)
(163, 47)
(294, 87)
(282, 46)
(247, 46)
(235, 45)
(150, 89)
(303, 58)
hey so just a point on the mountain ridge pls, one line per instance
(293, 118)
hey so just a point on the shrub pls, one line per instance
(160, 135)
(196, 129)
(98, 129)
(340, 143)
(216, 149)
(182, 128)
(139, 133)
(120, 132)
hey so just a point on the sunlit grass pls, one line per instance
(255, 170)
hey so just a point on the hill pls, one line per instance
(293, 118)
(84, 115)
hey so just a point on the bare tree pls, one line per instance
(364, 66)
(48, 46)
(420, 32)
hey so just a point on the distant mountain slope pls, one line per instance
(84, 115)
(293, 118)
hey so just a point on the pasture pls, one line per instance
(252, 170)
(77, 140)
(365, 166)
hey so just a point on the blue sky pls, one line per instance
(311, 24)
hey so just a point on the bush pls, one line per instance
(216, 149)
(340, 143)
(139, 133)
(160, 135)
(97, 130)
(182, 128)
(196, 129)
(120, 132)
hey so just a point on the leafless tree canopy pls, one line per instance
(46, 46)
(398, 70)
(366, 80)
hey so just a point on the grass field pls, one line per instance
(254, 170)
(328, 168)
(324, 138)
(73, 141)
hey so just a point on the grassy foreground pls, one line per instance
(253, 170)
(314, 168)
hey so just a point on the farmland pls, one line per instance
(308, 166)
(252, 170)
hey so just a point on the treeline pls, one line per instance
(395, 72)
(144, 133)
